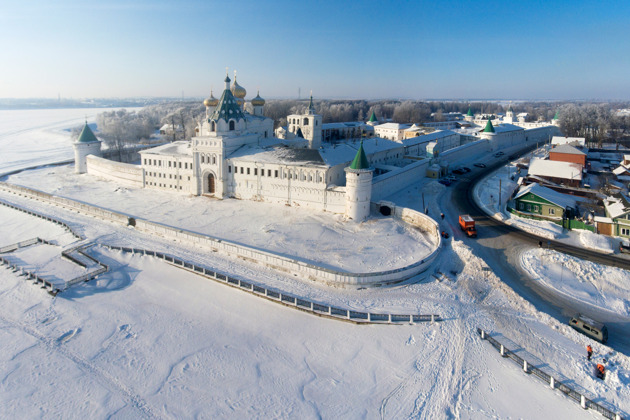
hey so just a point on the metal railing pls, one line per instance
(553, 383)
(287, 299)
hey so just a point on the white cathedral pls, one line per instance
(235, 154)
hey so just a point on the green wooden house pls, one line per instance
(537, 200)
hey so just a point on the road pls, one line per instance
(501, 245)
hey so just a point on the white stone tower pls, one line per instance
(509, 116)
(87, 144)
(358, 187)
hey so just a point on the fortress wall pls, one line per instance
(122, 173)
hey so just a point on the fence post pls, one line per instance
(583, 401)
(389, 318)
(552, 383)
(311, 306)
(525, 366)
(483, 335)
(502, 350)
(432, 318)
(411, 319)
(369, 317)
(348, 314)
(330, 310)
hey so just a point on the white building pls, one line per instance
(391, 131)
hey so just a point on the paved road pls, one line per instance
(500, 246)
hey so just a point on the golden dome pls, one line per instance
(238, 90)
(258, 101)
(240, 102)
(211, 101)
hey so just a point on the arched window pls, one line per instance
(305, 121)
(231, 125)
(214, 159)
(213, 126)
(203, 159)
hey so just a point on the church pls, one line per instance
(236, 154)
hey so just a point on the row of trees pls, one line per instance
(593, 121)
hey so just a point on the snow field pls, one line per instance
(594, 284)
(379, 244)
(150, 340)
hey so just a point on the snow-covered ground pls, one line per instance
(594, 284)
(150, 340)
(382, 243)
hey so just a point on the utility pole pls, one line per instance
(499, 194)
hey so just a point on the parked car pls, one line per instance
(445, 182)
(589, 327)
(459, 172)
(465, 169)
(480, 165)
(624, 246)
(451, 178)
(497, 154)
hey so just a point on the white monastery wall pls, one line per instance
(122, 173)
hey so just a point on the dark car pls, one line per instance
(445, 182)
(480, 165)
(465, 169)
(459, 172)
(624, 247)
(497, 154)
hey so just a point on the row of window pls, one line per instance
(290, 174)
(297, 121)
(534, 207)
(160, 175)
(171, 164)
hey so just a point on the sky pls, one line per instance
(336, 49)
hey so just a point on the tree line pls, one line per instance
(595, 122)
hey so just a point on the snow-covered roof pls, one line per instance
(393, 126)
(617, 205)
(601, 219)
(345, 152)
(576, 141)
(280, 155)
(502, 128)
(436, 135)
(621, 169)
(328, 126)
(177, 148)
(567, 149)
(559, 199)
(555, 169)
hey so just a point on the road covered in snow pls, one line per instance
(150, 340)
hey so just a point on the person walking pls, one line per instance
(442, 216)
(589, 352)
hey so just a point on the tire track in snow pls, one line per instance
(96, 372)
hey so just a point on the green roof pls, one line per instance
(470, 114)
(373, 117)
(87, 136)
(311, 107)
(227, 108)
(555, 117)
(510, 109)
(360, 160)
(489, 127)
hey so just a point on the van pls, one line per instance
(595, 330)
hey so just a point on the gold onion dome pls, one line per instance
(240, 102)
(211, 101)
(238, 90)
(258, 101)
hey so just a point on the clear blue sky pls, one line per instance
(341, 49)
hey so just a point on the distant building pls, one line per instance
(567, 153)
(561, 173)
(391, 131)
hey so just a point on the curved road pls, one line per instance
(500, 245)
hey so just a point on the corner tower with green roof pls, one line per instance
(358, 187)
(373, 120)
(489, 127)
(86, 144)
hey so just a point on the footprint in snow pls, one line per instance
(411, 340)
